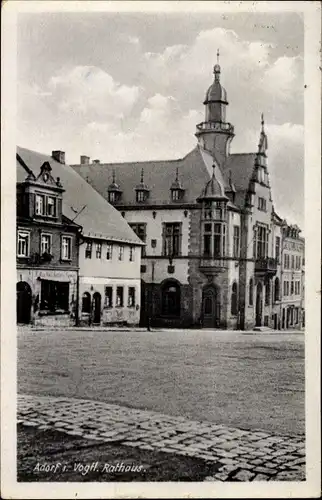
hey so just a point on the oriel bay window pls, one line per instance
(260, 242)
(214, 239)
(214, 210)
(172, 238)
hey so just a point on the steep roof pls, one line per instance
(241, 166)
(194, 170)
(96, 216)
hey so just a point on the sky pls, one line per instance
(130, 86)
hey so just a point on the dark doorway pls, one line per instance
(259, 304)
(275, 321)
(283, 319)
(23, 302)
(143, 311)
(96, 308)
(210, 308)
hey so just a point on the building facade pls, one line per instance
(78, 261)
(47, 252)
(213, 254)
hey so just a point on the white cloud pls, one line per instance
(88, 89)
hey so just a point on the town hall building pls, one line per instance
(212, 254)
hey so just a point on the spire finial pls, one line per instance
(113, 178)
(142, 176)
(262, 121)
(213, 170)
(177, 174)
(217, 56)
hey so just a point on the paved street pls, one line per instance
(239, 380)
(239, 455)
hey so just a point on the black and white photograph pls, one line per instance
(162, 320)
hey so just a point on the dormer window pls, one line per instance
(51, 206)
(142, 190)
(114, 191)
(176, 188)
(39, 204)
(46, 205)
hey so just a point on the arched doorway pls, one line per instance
(171, 299)
(23, 302)
(96, 308)
(259, 304)
(210, 308)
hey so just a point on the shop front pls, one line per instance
(47, 297)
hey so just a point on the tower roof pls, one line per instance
(216, 91)
(214, 189)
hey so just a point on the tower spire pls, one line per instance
(262, 122)
(218, 56)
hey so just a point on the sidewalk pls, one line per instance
(106, 433)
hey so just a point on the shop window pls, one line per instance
(88, 250)
(131, 297)
(23, 244)
(66, 248)
(119, 296)
(251, 292)
(86, 303)
(108, 296)
(171, 297)
(54, 296)
(234, 300)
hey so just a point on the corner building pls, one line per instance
(213, 241)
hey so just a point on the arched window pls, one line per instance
(234, 300)
(86, 303)
(267, 292)
(251, 292)
(171, 297)
(277, 289)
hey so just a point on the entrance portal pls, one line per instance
(259, 304)
(23, 302)
(97, 308)
(210, 308)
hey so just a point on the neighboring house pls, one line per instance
(293, 276)
(213, 243)
(47, 250)
(108, 251)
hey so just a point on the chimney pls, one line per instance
(96, 161)
(84, 160)
(59, 156)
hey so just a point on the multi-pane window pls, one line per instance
(277, 289)
(172, 238)
(54, 296)
(292, 262)
(119, 296)
(98, 250)
(292, 287)
(66, 248)
(46, 205)
(121, 252)
(277, 248)
(261, 242)
(23, 244)
(262, 204)
(51, 206)
(45, 243)
(214, 239)
(40, 203)
(131, 297)
(88, 250)
(112, 196)
(236, 241)
(214, 210)
(286, 288)
(176, 194)
(108, 296)
(141, 196)
(131, 254)
(140, 230)
(109, 250)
